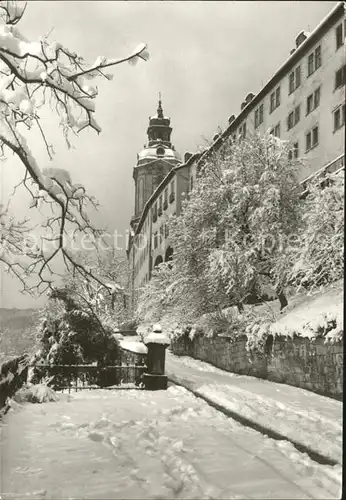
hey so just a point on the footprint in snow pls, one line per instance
(95, 436)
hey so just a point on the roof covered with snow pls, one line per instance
(151, 153)
(133, 346)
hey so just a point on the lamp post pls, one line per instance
(156, 342)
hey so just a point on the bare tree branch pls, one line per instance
(35, 75)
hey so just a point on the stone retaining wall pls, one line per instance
(309, 364)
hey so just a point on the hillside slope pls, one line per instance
(17, 331)
(306, 315)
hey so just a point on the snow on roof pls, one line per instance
(151, 152)
(117, 335)
(157, 338)
(134, 346)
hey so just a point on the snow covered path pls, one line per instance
(300, 415)
(127, 444)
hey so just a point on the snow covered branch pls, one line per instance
(35, 75)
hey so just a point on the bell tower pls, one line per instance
(155, 161)
(159, 129)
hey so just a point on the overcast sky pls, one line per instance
(205, 57)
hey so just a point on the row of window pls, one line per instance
(312, 136)
(312, 102)
(157, 239)
(314, 62)
(157, 210)
(311, 141)
(313, 99)
(160, 235)
(162, 203)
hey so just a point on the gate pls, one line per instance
(79, 377)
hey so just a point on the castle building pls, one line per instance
(303, 102)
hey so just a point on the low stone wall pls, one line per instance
(224, 353)
(309, 364)
(13, 375)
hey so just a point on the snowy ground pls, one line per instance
(126, 444)
(306, 314)
(302, 416)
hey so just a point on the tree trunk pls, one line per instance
(240, 307)
(279, 292)
(282, 298)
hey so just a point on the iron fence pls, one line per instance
(79, 377)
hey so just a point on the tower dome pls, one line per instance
(159, 128)
(159, 139)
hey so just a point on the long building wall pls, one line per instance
(304, 102)
(313, 98)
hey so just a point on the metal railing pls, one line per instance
(79, 377)
(332, 167)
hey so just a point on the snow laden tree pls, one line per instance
(112, 267)
(36, 76)
(234, 229)
(160, 301)
(71, 332)
(78, 322)
(317, 258)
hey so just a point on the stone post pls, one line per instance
(156, 342)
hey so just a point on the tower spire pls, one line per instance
(159, 130)
(159, 109)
